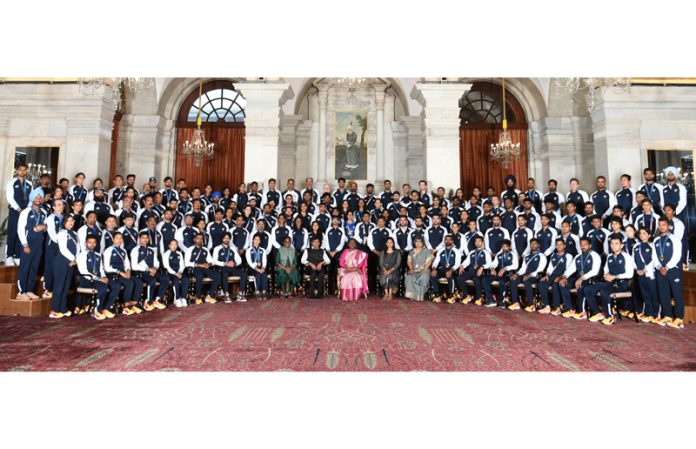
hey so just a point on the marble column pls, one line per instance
(264, 102)
(379, 103)
(440, 114)
(322, 96)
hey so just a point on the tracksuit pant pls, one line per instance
(14, 246)
(435, 281)
(199, 274)
(179, 286)
(528, 290)
(669, 287)
(503, 282)
(101, 301)
(29, 266)
(129, 289)
(260, 280)
(62, 274)
(470, 274)
(555, 293)
(50, 259)
(605, 289)
(151, 281)
(226, 272)
(648, 291)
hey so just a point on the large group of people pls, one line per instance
(520, 248)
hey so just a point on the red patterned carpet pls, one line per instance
(308, 335)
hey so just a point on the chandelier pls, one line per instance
(199, 147)
(351, 84)
(592, 86)
(91, 86)
(504, 150)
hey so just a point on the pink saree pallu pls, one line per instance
(353, 283)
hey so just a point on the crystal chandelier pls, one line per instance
(91, 86)
(199, 147)
(34, 172)
(504, 150)
(592, 86)
(351, 84)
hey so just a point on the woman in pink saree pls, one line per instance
(353, 272)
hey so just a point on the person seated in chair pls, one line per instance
(173, 261)
(256, 260)
(560, 268)
(445, 265)
(472, 268)
(118, 269)
(315, 258)
(618, 269)
(587, 265)
(533, 264)
(145, 262)
(287, 274)
(503, 268)
(92, 275)
(230, 264)
(199, 259)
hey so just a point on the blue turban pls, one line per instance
(34, 193)
(508, 177)
(217, 194)
(673, 170)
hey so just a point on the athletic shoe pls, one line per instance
(664, 321)
(580, 316)
(176, 302)
(467, 299)
(148, 307)
(530, 308)
(136, 309)
(159, 305)
(228, 299)
(490, 304)
(452, 299)
(597, 317)
(32, 295)
(184, 302)
(647, 319)
(241, 298)
(545, 310)
(198, 301)
(55, 315)
(210, 300)
(436, 298)
(630, 315)
(678, 323)
(126, 311)
(47, 295)
(568, 314)
(608, 320)
(23, 297)
(479, 302)
(514, 306)
(108, 313)
(98, 316)
(68, 313)
(9, 261)
(624, 313)
(556, 311)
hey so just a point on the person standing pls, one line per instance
(54, 224)
(63, 268)
(17, 192)
(669, 276)
(31, 230)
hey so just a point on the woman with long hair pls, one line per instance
(389, 268)
(353, 272)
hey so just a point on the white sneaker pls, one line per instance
(176, 303)
(9, 261)
(183, 302)
(242, 299)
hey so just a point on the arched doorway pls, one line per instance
(481, 116)
(223, 115)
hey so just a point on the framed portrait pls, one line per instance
(350, 144)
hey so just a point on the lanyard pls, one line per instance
(583, 260)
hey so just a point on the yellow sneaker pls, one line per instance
(467, 299)
(68, 313)
(108, 313)
(580, 316)
(630, 315)
(81, 311)
(597, 317)
(677, 323)
(98, 316)
(210, 300)
(437, 299)
(545, 310)
(640, 315)
(479, 302)
(568, 314)
(608, 320)
(55, 315)
(159, 305)
(514, 306)
(530, 308)
(556, 311)
(664, 321)
(148, 307)
(199, 301)
(624, 313)
(451, 300)
(647, 319)
(136, 309)
(126, 311)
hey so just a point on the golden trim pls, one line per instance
(666, 81)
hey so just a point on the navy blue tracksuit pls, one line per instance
(19, 201)
(29, 263)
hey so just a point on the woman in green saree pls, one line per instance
(287, 275)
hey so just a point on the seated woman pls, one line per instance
(287, 275)
(389, 268)
(417, 279)
(353, 272)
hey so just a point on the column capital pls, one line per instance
(439, 94)
(266, 93)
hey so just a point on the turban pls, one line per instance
(36, 192)
(510, 177)
(216, 194)
(673, 170)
